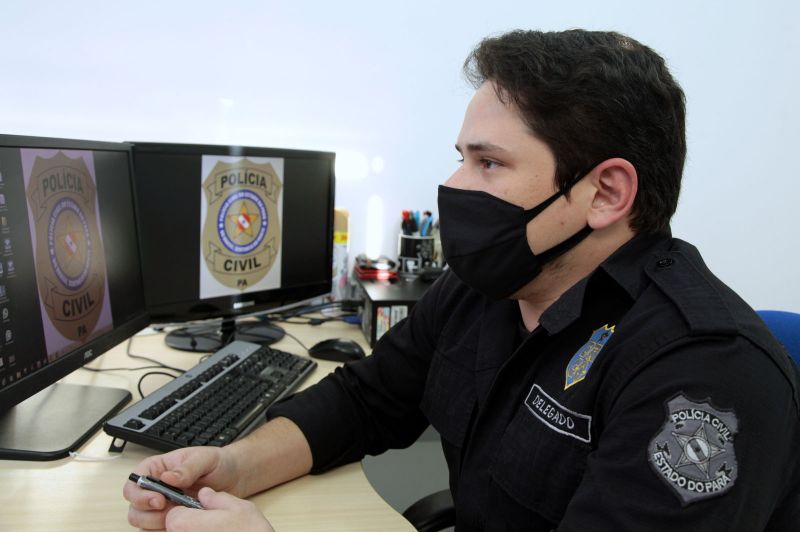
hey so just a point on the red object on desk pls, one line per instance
(374, 273)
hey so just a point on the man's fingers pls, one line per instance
(146, 519)
(143, 499)
(212, 499)
(222, 512)
(154, 467)
(185, 519)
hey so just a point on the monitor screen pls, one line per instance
(70, 277)
(228, 230)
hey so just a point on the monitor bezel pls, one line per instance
(42, 378)
(224, 307)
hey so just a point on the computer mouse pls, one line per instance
(341, 350)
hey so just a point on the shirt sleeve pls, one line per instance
(703, 438)
(370, 405)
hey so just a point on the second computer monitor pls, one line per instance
(70, 287)
(227, 231)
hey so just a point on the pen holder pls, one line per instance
(414, 252)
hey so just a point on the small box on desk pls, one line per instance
(387, 303)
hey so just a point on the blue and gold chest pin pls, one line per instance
(582, 361)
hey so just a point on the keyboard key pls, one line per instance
(221, 440)
(134, 424)
(245, 420)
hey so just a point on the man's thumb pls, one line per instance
(188, 472)
(212, 499)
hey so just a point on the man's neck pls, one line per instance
(563, 273)
(536, 297)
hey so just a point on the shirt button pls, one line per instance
(665, 263)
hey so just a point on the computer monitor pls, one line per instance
(70, 287)
(229, 231)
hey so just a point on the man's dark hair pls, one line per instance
(591, 96)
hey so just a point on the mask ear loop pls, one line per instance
(530, 214)
(559, 249)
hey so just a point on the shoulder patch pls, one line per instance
(688, 284)
(693, 450)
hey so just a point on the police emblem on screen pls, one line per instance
(70, 264)
(241, 234)
(693, 452)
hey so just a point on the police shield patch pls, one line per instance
(693, 452)
(581, 362)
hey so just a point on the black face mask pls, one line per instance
(485, 243)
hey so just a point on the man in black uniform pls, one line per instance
(584, 369)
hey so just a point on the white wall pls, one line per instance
(381, 86)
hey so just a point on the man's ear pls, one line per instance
(615, 184)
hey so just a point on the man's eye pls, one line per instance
(489, 164)
(460, 160)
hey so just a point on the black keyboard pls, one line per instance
(216, 402)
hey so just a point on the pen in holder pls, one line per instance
(414, 252)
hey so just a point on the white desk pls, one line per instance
(82, 495)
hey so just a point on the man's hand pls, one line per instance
(274, 453)
(222, 512)
(189, 469)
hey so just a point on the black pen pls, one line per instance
(173, 494)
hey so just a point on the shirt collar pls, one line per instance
(624, 270)
(626, 265)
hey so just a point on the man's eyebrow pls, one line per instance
(481, 147)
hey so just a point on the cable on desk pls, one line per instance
(289, 313)
(209, 331)
(156, 373)
(149, 360)
(90, 458)
(286, 316)
(156, 364)
(314, 321)
(345, 305)
(121, 369)
(296, 340)
(292, 310)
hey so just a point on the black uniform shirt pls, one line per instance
(650, 397)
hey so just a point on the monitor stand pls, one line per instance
(57, 420)
(212, 337)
